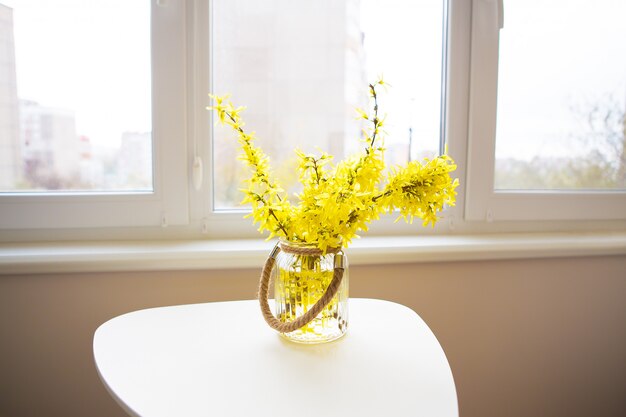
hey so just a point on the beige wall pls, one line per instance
(524, 338)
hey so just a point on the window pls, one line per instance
(302, 72)
(547, 93)
(457, 79)
(562, 97)
(80, 145)
(302, 68)
(70, 129)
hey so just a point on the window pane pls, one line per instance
(561, 95)
(75, 106)
(302, 67)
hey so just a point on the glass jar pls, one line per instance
(300, 280)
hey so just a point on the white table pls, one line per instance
(221, 359)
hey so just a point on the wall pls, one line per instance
(543, 337)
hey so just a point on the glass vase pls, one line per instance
(299, 282)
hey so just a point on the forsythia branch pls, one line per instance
(338, 201)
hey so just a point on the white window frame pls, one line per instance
(181, 69)
(168, 203)
(484, 203)
(229, 223)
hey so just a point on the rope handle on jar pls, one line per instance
(306, 318)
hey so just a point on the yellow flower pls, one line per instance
(339, 201)
(219, 107)
(362, 114)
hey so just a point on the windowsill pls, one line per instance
(64, 257)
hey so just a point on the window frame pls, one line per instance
(225, 223)
(167, 204)
(484, 203)
(182, 134)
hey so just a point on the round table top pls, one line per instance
(221, 359)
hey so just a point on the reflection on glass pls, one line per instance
(76, 99)
(301, 68)
(562, 96)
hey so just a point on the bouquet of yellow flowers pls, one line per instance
(340, 200)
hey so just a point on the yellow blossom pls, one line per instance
(339, 201)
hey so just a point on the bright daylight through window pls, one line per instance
(301, 73)
(75, 112)
(103, 108)
(562, 96)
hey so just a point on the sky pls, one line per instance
(410, 61)
(90, 56)
(72, 60)
(558, 58)
(555, 55)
